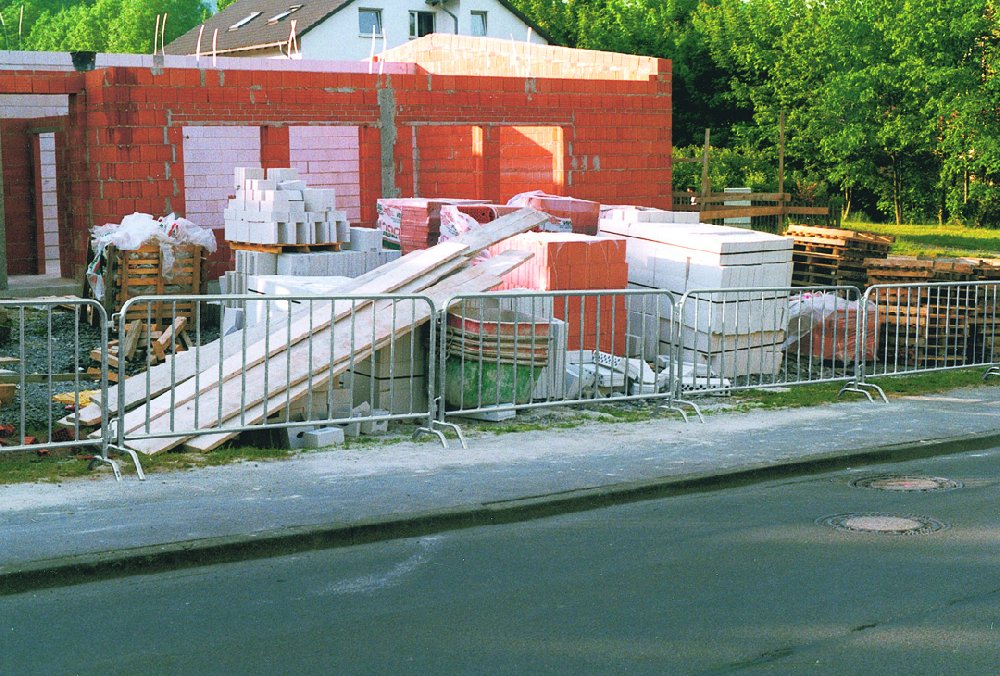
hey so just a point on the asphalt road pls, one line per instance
(743, 580)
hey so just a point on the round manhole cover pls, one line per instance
(889, 524)
(906, 483)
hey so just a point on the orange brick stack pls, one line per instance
(572, 262)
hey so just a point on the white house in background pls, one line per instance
(345, 30)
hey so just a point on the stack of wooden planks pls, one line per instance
(920, 322)
(256, 373)
(834, 257)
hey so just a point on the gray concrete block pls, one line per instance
(323, 437)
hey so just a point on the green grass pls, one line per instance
(949, 241)
(27, 467)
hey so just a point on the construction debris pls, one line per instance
(306, 352)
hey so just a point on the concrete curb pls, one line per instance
(66, 571)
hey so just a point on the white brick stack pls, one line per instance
(280, 209)
(736, 333)
(254, 217)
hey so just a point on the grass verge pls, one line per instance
(951, 241)
(26, 467)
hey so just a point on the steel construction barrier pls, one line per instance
(501, 352)
(281, 363)
(748, 338)
(45, 363)
(918, 328)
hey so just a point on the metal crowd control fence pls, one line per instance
(749, 338)
(47, 349)
(295, 364)
(501, 352)
(915, 328)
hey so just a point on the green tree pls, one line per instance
(117, 26)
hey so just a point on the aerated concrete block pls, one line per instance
(323, 437)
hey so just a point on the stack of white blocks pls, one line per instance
(360, 248)
(735, 333)
(280, 209)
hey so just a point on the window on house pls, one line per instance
(421, 24)
(479, 24)
(245, 20)
(369, 21)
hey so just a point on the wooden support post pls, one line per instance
(706, 185)
(3, 231)
(781, 170)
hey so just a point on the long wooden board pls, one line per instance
(310, 362)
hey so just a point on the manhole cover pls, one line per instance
(907, 483)
(889, 524)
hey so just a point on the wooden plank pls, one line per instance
(350, 348)
(429, 264)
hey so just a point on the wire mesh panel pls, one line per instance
(52, 363)
(502, 352)
(930, 327)
(729, 339)
(319, 365)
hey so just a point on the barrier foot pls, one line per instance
(677, 407)
(991, 371)
(454, 428)
(135, 461)
(862, 388)
(108, 461)
(421, 431)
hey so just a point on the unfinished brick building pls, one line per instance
(444, 116)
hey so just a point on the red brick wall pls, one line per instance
(19, 197)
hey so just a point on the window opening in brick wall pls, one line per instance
(210, 156)
(531, 158)
(329, 157)
(48, 204)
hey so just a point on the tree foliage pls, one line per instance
(120, 26)
(892, 104)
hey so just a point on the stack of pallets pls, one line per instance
(922, 325)
(141, 273)
(985, 343)
(832, 257)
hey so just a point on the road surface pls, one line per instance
(751, 580)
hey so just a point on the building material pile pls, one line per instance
(277, 209)
(261, 373)
(734, 333)
(572, 262)
(566, 214)
(411, 224)
(328, 247)
(929, 325)
(834, 257)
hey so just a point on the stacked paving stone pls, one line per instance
(734, 333)
(279, 210)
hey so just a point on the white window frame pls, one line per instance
(415, 23)
(472, 28)
(377, 13)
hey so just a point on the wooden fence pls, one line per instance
(768, 212)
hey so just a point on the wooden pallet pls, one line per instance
(129, 274)
(833, 257)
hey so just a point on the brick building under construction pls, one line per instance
(88, 139)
